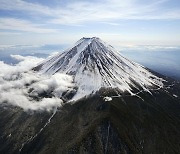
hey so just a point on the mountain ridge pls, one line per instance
(95, 64)
(108, 120)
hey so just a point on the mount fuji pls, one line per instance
(95, 65)
(115, 106)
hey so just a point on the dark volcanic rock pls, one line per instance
(147, 122)
(126, 124)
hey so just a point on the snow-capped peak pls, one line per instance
(94, 64)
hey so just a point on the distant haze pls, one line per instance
(164, 60)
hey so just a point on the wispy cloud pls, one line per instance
(133, 20)
(78, 12)
(147, 48)
(23, 25)
(9, 33)
(21, 5)
(111, 23)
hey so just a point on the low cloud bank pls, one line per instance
(19, 86)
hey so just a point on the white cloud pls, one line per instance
(19, 47)
(111, 23)
(23, 25)
(19, 86)
(26, 6)
(146, 48)
(9, 33)
(79, 12)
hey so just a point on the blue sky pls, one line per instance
(119, 22)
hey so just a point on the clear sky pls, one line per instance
(119, 22)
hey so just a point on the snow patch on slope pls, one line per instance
(94, 64)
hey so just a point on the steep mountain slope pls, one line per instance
(94, 65)
(128, 109)
(125, 125)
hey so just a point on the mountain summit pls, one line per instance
(129, 109)
(95, 64)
